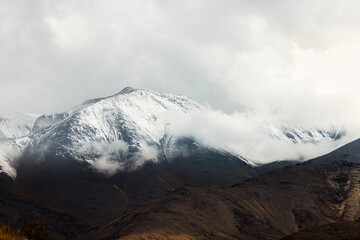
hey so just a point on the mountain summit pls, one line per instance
(121, 131)
(126, 126)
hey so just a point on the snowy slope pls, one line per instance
(10, 151)
(124, 126)
(15, 125)
(14, 129)
(299, 134)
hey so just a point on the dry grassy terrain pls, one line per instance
(343, 230)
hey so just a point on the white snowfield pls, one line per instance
(105, 132)
(15, 125)
(299, 134)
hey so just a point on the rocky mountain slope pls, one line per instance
(268, 206)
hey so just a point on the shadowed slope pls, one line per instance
(269, 206)
(77, 189)
(15, 209)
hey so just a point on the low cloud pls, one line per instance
(107, 166)
(110, 158)
(245, 134)
(107, 158)
(145, 153)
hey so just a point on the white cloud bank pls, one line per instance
(246, 135)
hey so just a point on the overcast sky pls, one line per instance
(300, 58)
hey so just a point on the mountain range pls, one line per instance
(114, 164)
(122, 132)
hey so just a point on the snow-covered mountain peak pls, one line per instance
(132, 96)
(139, 101)
(126, 90)
(126, 127)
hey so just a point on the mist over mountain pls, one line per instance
(125, 130)
(147, 158)
(109, 154)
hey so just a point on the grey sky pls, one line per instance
(296, 57)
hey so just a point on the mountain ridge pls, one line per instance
(128, 125)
